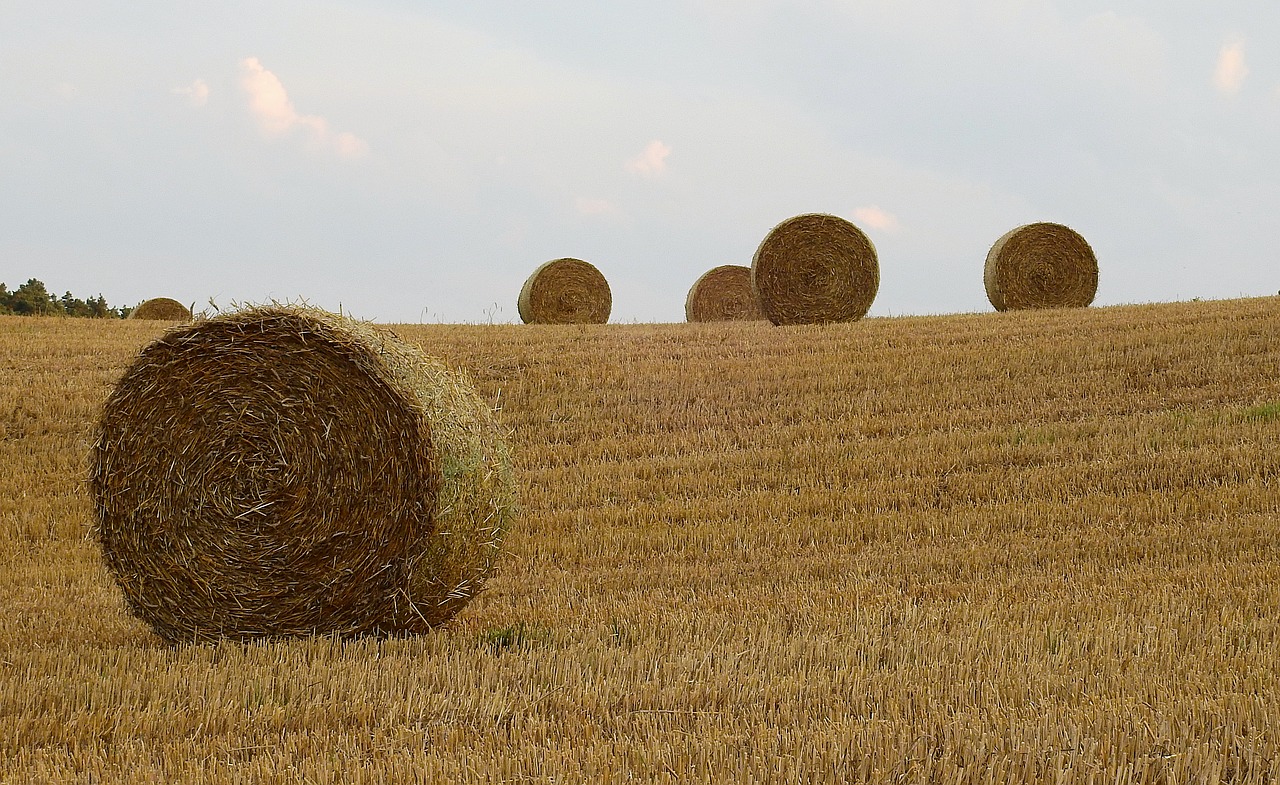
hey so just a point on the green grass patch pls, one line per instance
(1266, 411)
(516, 637)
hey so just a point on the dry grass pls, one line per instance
(1011, 547)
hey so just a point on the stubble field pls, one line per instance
(1019, 547)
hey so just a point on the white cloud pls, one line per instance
(270, 103)
(268, 99)
(652, 161)
(1231, 70)
(196, 93)
(876, 218)
(349, 145)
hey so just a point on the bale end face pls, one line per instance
(565, 291)
(280, 471)
(723, 293)
(1040, 265)
(814, 269)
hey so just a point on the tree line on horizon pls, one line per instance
(33, 299)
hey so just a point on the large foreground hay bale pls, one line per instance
(285, 471)
(162, 309)
(565, 291)
(813, 269)
(723, 294)
(1041, 265)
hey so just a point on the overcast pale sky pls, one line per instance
(415, 161)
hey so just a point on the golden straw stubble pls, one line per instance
(723, 293)
(285, 471)
(814, 269)
(162, 309)
(1040, 265)
(565, 291)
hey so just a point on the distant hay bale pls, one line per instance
(162, 309)
(286, 471)
(813, 269)
(565, 291)
(1041, 265)
(722, 294)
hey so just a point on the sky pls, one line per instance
(416, 161)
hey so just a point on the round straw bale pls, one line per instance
(285, 471)
(162, 309)
(1041, 265)
(813, 269)
(565, 291)
(722, 294)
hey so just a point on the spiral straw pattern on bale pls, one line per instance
(723, 294)
(161, 309)
(286, 471)
(565, 291)
(1041, 265)
(814, 269)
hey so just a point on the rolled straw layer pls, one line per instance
(161, 309)
(1040, 265)
(286, 471)
(565, 291)
(723, 293)
(815, 268)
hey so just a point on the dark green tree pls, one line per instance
(98, 308)
(32, 299)
(74, 306)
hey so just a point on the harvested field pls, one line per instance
(1026, 546)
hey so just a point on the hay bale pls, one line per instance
(723, 294)
(286, 471)
(1040, 265)
(565, 291)
(813, 269)
(162, 309)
